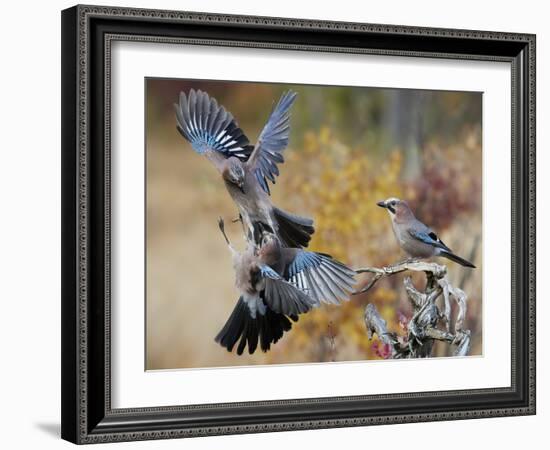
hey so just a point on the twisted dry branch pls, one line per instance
(422, 329)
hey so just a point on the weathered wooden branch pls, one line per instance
(422, 329)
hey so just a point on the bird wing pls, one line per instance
(283, 297)
(321, 276)
(428, 237)
(209, 127)
(272, 141)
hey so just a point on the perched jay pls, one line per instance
(245, 169)
(417, 239)
(278, 283)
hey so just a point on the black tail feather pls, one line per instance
(294, 231)
(456, 259)
(264, 329)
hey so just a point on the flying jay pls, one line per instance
(245, 169)
(415, 238)
(277, 284)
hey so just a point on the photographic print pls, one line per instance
(310, 224)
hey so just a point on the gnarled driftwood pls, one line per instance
(423, 328)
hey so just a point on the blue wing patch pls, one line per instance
(322, 277)
(429, 237)
(268, 272)
(303, 260)
(209, 126)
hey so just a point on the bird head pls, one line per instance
(394, 206)
(268, 239)
(270, 247)
(233, 172)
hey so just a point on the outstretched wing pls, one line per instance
(321, 276)
(208, 126)
(272, 141)
(283, 297)
(428, 237)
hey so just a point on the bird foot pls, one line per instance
(221, 225)
(410, 260)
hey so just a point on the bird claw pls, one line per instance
(410, 260)
(221, 224)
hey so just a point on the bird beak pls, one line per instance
(241, 188)
(382, 204)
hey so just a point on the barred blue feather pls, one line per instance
(303, 261)
(268, 272)
(209, 126)
(322, 277)
(428, 237)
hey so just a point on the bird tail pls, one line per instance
(294, 231)
(456, 259)
(265, 329)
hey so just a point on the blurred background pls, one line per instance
(349, 148)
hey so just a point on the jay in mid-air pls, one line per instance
(415, 238)
(276, 284)
(245, 169)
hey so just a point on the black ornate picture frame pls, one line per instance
(87, 34)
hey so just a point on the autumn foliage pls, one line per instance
(339, 186)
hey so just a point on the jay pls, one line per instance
(276, 285)
(415, 238)
(246, 169)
